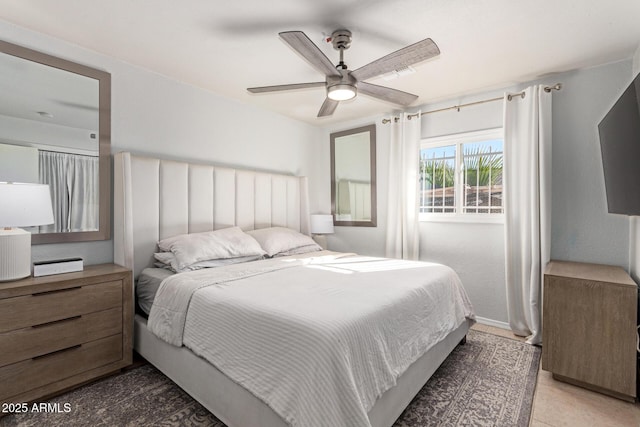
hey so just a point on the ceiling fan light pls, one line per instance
(341, 92)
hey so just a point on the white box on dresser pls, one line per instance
(47, 268)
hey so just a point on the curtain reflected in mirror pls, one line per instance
(55, 130)
(353, 171)
(73, 181)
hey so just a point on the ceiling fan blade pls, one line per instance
(278, 88)
(404, 57)
(386, 93)
(328, 107)
(309, 51)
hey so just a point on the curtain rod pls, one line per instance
(79, 152)
(510, 96)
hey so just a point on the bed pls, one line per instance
(156, 199)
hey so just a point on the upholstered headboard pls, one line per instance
(155, 199)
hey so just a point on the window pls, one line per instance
(461, 177)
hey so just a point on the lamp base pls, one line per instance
(320, 239)
(15, 254)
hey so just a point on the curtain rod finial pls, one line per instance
(556, 86)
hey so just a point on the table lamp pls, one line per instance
(21, 205)
(321, 225)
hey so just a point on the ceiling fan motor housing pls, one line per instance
(341, 39)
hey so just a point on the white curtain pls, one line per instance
(402, 214)
(74, 183)
(527, 202)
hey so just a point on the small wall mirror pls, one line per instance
(55, 125)
(353, 177)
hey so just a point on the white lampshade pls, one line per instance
(321, 224)
(25, 205)
(21, 205)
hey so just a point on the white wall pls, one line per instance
(634, 248)
(351, 164)
(35, 133)
(362, 240)
(582, 230)
(18, 164)
(474, 251)
(634, 222)
(152, 114)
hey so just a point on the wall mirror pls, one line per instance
(55, 126)
(353, 177)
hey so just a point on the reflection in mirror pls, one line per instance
(353, 172)
(54, 129)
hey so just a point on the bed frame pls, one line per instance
(155, 199)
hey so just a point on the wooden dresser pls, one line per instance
(57, 332)
(589, 327)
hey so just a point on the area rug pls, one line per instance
(489, 381)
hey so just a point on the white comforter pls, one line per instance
(317, 338)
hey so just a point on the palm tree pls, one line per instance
(437, 173)
(482, 167)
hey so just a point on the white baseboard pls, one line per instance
(491, 322)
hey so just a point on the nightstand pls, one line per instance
(589, 327)
(57, 332)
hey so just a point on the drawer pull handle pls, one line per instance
(57, 321)
(56, 291)
(56, 352)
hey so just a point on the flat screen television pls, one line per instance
(620, 145)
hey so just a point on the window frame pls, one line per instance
(458, 140)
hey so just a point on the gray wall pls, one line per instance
(582, 230)
(152, 114)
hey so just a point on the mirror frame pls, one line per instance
(104, 141)
(372, 168)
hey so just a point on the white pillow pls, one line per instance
(211, 245)
(301, 250)
(165, 258)
(278, 241)
(168, 260)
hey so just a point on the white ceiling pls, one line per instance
(228, 46)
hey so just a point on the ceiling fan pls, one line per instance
(343, 84)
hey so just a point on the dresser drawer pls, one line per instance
(45, 307)
(60, 331)
(29, 374)
(31, 342)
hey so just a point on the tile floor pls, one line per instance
(559, 404)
